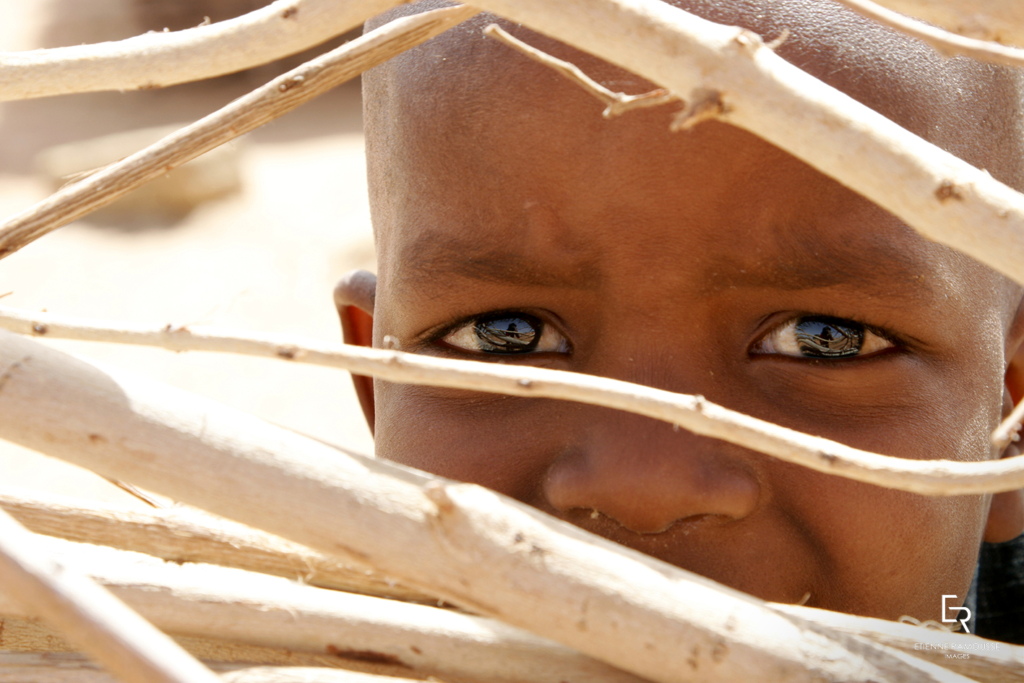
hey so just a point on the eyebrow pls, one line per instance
(428, 257)
(873, 265)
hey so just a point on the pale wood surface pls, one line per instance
(73, 668)
(29, 637)
(99, 623)
(182, 534)
(217, 603)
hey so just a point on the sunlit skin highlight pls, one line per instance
(678, 261)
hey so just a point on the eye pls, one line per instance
(821, 337)
(507, 333)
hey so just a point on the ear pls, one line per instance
(354, 298)
(1006, 515)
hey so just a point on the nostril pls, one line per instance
(650, 493)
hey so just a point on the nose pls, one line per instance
(647, 476)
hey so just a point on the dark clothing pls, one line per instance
(999, 587)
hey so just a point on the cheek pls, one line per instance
(890, 553)
(504, 443)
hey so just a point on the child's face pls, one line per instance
(698, 262)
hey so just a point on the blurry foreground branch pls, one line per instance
(238, 606)
(1001, 21)
(182, 534)
(945, 42)
(89, 615)
(264, 104)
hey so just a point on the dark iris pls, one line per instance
(829, 337)
(508, 334)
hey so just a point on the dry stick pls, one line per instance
(472, 546)
(929, 477)
(264, 104)
(945, 42)
(23, 635)
(729, 74)
(156, 60)
(1008, 428)
(212, 602)
(230, 604)
(91, 617)
(183, 534)
(617, 103)
(72, 668)
(1001, 21)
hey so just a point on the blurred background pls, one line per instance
(251, 236)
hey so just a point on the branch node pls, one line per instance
(949, 190)
(438, 495)
(708, 105)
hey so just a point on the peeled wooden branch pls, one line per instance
(88, 615)
(1001, 21)
(234, 605)
(471, 546)
(71, 668)
(23, 635)
(188, 535)
(928, 477)
(262, 105)
(945, 42)
(729, 74)
(157, 60)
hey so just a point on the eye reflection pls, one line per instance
(821, 337)
(507, 333)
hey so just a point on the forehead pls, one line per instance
(475, 150)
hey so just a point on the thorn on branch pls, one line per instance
(616, 103)
(777, 42)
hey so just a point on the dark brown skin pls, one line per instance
(667, 260)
